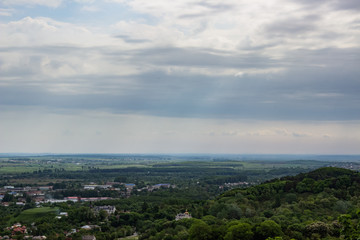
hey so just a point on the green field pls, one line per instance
(30, 215)
(15, 165)
(149, 169)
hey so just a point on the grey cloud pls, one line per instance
(352, 5)
(355, 25)
(317, 85)
(292, 26)
(159, 94)
(299, 135)
(195, 15)
(129, 39)
(218, 6)
(310, 2)
(29, 67)
(348, 4)
(251, 47)
(210, 9)
(201, 57)
(208, 57)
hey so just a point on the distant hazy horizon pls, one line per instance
(205, 156)
(260, 77)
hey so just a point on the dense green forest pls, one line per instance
(322, 204)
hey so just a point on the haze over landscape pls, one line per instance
(189, 76)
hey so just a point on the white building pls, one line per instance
(108, 209)
(182, 216)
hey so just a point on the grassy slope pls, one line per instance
(30, 215)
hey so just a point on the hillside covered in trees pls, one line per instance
(322, 204)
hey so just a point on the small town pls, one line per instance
(40, 197)
(43, 194)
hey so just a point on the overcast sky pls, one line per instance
(186, 76)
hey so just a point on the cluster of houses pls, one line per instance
(236, 184)
(157, 186)
(128, 187)
(21, 230)
(39, 194)
(29, 237)
(346, 165)
(110, 186)
(18, 229)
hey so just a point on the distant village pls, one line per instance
(18, 228)
(43, 194)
